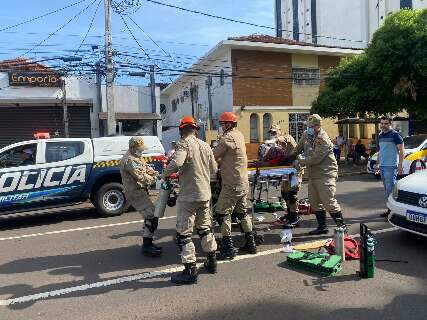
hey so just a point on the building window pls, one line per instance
(266, 123)
(362, 131)
(222, 77)
(406, 4)
(352, 130)
(295, 17)
(254, 119)
(163, 108)
(174, 105)
(303, 76)
(297, 124)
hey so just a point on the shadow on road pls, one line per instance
(43, 218)
(406, 306)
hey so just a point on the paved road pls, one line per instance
(70, 264)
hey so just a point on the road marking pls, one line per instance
(77, 229)
(132, 278)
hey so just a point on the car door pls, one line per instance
(19, 175)
(66, 165)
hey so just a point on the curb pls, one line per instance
(344, 174)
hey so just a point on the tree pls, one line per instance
(388, 77)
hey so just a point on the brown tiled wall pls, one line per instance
(262, 92)
(325, 64)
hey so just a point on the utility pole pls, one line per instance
(65, 109)
(111, 116)
(153, 97)
(209, 85)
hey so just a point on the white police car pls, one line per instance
(408, 203)
(415, 156)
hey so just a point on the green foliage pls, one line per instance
(390, 76)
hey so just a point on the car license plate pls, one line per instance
(416, 217)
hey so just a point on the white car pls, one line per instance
(415, 155)
(408, 204)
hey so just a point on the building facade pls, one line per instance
(343, 23)
(33, 100)
(262, 79)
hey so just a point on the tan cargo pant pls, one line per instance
(194, 214)
(321, 194)
(141, 202)
(290, 194)
(233, 199)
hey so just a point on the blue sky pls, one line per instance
(183, 35)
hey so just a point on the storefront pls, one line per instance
(40, 100)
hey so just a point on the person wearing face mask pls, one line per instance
(137, 177)
(322, 171)
(231, 156)
(289, 193)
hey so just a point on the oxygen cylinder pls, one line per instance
(162, 200)
(367, 253)
(339, 243)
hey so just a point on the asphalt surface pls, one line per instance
(71, 264)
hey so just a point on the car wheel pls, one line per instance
(413, 167)
(110, 200)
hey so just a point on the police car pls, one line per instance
(408, 203)
(415, 156)
(47, 173)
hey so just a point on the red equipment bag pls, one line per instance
(351, 248)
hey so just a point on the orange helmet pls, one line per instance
(228, 117)
(188, 121)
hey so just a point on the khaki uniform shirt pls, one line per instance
(136, 173)
(195, 164)
(287, 142)
(231, 152)
(319, 155)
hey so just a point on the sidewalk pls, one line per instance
(346, 169)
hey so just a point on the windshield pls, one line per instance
(414, 141)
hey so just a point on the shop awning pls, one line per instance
(357, 120)
(132, 116)
(23, 102)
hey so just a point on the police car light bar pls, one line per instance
(42, 135)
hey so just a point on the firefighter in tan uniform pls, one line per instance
(231, 155)
(322, 173)
(195, 164)
(137, 176)
(289, 193)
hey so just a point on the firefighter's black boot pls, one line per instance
(149, 249)
(187, 276)
(339, 220)
(292, 220)
(228, 252)
(250, 245)
(211, 263)
(321, 221)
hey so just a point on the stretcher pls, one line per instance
(261, 179)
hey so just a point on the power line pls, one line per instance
(42, 16)
(90, 27)
(133, 36)
(250, 23)
(211, 15)
(61, 27)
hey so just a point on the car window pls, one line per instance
(413, 142)
(60, 151)
(24, 155)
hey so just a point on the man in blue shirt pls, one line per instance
(391, 149)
